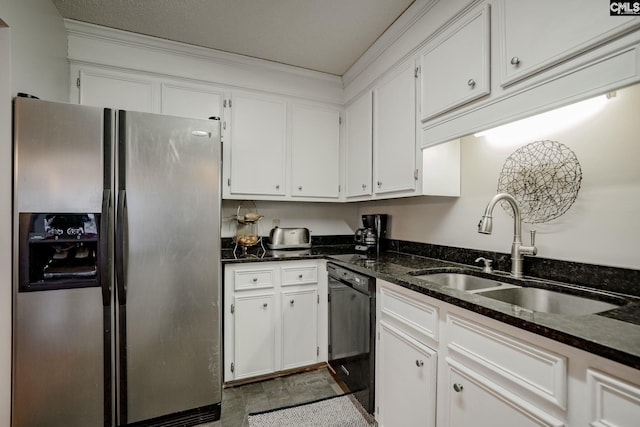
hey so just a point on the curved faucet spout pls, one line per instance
(517, 249)
(486, 223)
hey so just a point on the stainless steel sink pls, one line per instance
(547, 301)
(462, 282)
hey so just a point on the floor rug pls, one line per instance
(339, 411)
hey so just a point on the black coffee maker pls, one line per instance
(369, 237)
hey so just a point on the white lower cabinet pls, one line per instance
(254, 335)
(441, 365)
(299, 327)
(476, 401)
(407, 380)
(613, 401)
(274, 317)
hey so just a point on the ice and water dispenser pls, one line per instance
(58, 251)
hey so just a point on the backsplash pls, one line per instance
(612, 279)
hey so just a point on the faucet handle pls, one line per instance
(487, 264)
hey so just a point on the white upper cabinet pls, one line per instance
(537, 34)
(358, 149)
(199, 102)
(394, 131)
(113, 89)
(315, 151)
(454, 69)
(257, 164)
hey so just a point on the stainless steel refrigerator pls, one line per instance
(116, 302)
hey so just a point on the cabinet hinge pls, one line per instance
(226, 103)
(416, 74)
(317, 351)
(415, 174)
(339, 188)
(233, 308)
(339, 120)
(233, 367)
(224, 125)
(228, 182)
(318, 299)
(329, 297)
(78, 82)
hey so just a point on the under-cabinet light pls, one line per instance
(543, 124)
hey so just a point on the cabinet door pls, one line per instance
(358, 147)
(473, 400)
(561, 29)
(407, 380)
(258, 145)
(394, 131)
(254, 335)
(315, 144)
(455, 68)
(119, 90)
(299, 327)
(187, 101)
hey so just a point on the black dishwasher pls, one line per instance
(352, 309)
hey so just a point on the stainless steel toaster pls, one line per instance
(289, 238)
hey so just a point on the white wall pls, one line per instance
(601, 227)
(33, 54)
(321, 219)
(38, 48)
(5, 224)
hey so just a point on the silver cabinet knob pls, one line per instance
(379, 183)
(471, 83)
(419, 363)
(515, 61)
(457, 387)
(265, 305)
(255, 280)
(300, 188)
(300, 276)
(364, 186)
(291, 302)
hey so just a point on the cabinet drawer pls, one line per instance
(253, 279)
(509, 361)
(416, 317)
(299, 275)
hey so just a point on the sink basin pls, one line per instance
(461, 282)
(547, 301)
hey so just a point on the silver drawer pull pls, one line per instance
(457, 387)
(300, 276)
(255, 279)
(471, 83)
(419, 363)
(515, 61)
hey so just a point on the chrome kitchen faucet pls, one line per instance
(485, 226)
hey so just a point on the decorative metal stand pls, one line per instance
(544, 177)
(247, 230)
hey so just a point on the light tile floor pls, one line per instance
(238, 402)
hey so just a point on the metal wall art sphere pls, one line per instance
(544, 177)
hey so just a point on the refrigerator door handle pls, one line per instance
(105, 222)
(120, 247)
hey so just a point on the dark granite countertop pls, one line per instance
(614, 334)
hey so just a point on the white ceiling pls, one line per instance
(321, 35)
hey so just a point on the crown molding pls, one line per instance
(409, 18)
(114, 36)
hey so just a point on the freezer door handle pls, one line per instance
(105, 272)
(121, 222)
